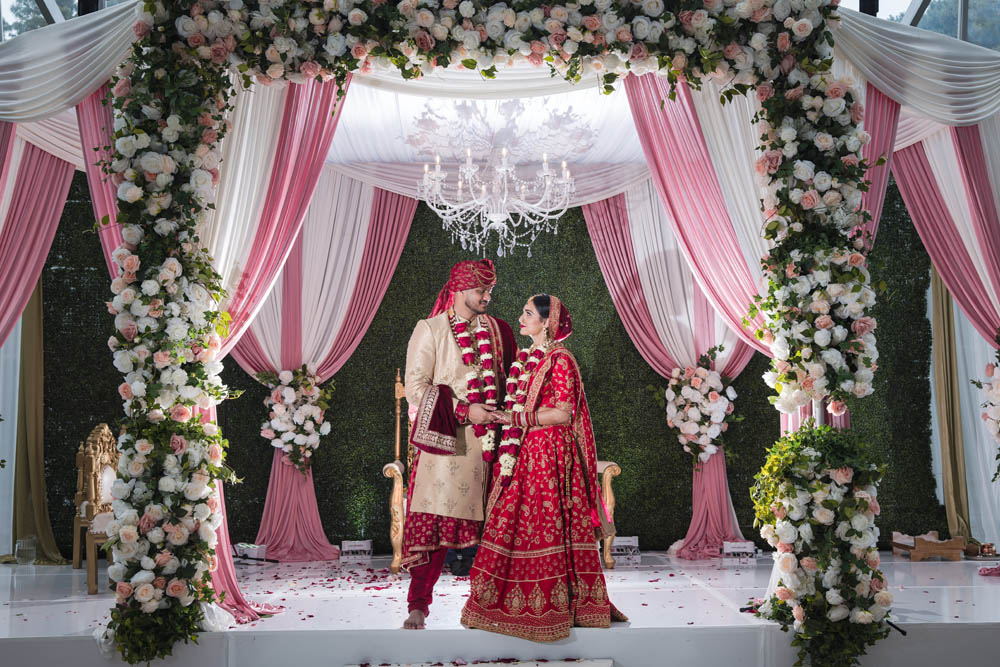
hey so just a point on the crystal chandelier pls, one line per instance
(496, 201)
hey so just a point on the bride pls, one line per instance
(538, 572)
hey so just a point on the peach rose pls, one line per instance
(140, 29)
(799, 613)
(639, 51)
(764, 92)
(842, 475)
(209, 136)
(146, 524)
(856, 259)
(810, 199)
(177, 588)
(850, 160)
(784, 593)
(122, 88)
(591, 22)
(863, 325)
(130, 330)
(196, 40)
(836, 90)
(824, 322)
(784, 41)
(696, 382)
(178, 444)
(125, 391)
(131, 264)
(873, 560)
(857, 112)
(769, 162)
(779, 511)
(809, 564)
(160, 582)
(123, 589)
(786, 548)
(836, 408)
(180, 413)
(162, 558)
(215, 454)
(310, 69)
(794, 93)
(161, 358)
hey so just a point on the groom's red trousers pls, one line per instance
(422, 580)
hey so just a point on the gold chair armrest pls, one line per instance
(394, 471)
(608, 470)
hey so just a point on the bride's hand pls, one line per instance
(502, 417)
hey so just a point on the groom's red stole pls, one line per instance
(435, 428)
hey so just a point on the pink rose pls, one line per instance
(215, 454)
(872, 558)
(197, 10)
(146, 524)
(809, 564)
(125, 390)
(591, 22)
(178, 444)
(786, 548)
(161, 358)
(268, 433)
(162, 558)
(784, 593)
(450, 4)
(160, 582)
(713, 396)
(856, 259)
(219, 52)
(836, 408)
(264, 79)
(732, 50)
(177, 588)
(180, 413)
(799, 613)
(696, 382)
(685, 18)
(140, 29)
(842, 475)
(874, 507)
(122, 88)
(778, 511)
(836, 90)
(850, 160)
(768, 337)
(769, 162)
(787, 63)
(209, 136)
(761, 15)
(807, 383)
(155, 416)
(764, 92)
(196, 40)
(791, 271)
(784, 41)
(857, 112)
(863, 325)
(823, 322)
(212, 502)
(679, 61)
(425, 42)
(537, 47)
(794, 93)
(810, 199)
(123, 589)
(130, 330)
(310, 69)
(877, 584)
(131, 264)
(623, 34)
(990, 370)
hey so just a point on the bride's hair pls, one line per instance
(542, 303)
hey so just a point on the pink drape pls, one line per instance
(941, 238)
(310, 119)
(390, 224)
(39, 194)
(681, 168)
(792, 422)
(712, 518)
(291, 526)
(96, 128)
(8, 132)
(881, 122)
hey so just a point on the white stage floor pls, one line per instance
(681, 612)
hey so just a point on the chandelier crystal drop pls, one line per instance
(495, 201)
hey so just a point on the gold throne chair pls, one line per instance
(96, 471)
(396, 471)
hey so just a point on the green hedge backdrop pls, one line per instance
(654, 490)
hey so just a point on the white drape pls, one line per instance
(666, 280)
(10, 368)
(952, 81)
(53, 68)
(57, 135)
(334, 233)
(247, 157)
(8, 189)
(973, 353)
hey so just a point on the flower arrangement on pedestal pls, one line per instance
(699, 406)
(172, 98)
(296, 414)
(991, 402)
(816, 500)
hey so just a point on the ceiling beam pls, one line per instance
(50, 11)
(915, 11)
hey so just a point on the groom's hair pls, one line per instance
(542, 303)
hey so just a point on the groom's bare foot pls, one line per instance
(415, 621)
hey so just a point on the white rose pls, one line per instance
(834, 106)
(883, 599)
(860, 522)
(786, 531)
(861, 616)
(833, 597)
(144, 593)
(837, 613)
(824, 515)
(167, 485)
(824, 141)
(156, 535)
(130, 192)
(467, 9)
(822, 181)
(201, 180)
(356, 16)
(822, 337)
(116, 571)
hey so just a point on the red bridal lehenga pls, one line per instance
(538, 571)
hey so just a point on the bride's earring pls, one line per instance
(545, 337)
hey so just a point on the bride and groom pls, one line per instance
(505, 458)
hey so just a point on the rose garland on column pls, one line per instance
(816, 499)
(990, 388)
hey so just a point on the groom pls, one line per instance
(456, 366)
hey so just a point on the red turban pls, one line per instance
(464, 275)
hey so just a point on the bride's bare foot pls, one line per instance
(415, 621)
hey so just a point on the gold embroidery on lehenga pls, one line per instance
(598, 592)
(560, 596)
(536, 600)
(515, 600)
(580, 590)
(488, 593)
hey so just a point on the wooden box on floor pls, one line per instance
(927, 546)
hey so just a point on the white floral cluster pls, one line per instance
(990, 388)
(698, 408)
(853, 587)
(295, 420)
(829, 348)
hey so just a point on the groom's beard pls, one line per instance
(478, 306)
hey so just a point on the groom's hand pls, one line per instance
(481, 414)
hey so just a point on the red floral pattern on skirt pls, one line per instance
(538, 571)
(424, 533)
